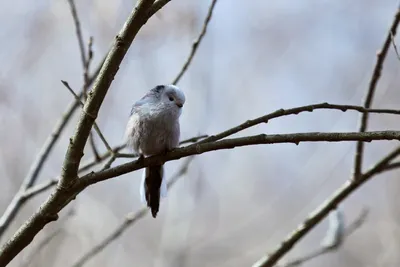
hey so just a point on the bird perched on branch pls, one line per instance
(153, 128)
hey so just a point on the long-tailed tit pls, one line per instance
(153, 128)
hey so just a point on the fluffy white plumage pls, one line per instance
(153, 128)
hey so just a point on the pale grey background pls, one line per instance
(234, 205)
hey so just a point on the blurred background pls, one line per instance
(232, 206)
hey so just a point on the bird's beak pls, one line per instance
(179, 105)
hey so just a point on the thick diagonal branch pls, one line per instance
(323, 210)
(380, 59)
(63, 195)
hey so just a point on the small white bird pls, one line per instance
(153, 128)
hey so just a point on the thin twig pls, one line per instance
(93, 162)
(130, 219)
(196, 44)
(395, 46)
(78, 30)
(294, 111)
(109, 162)
(86, 60)
(381, 56)
(323, 210)
(95, 126)
(392, 166)
(37, 189)
(86, 66)
(193, 139)
(85, 89)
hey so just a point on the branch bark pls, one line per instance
(200, 148)
(293, 111)
(380, 59)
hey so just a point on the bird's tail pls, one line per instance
(152, 187)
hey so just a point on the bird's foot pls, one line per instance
(141, 158)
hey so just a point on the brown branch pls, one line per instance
(130, 219)
(320, 213)
(85, 89)
(63, 195)
(392, 166)
(381, 56)
(196, 44)
(156, 7)
(86, 69)
(200, 148)
(193, 139)
(324, 250)
(294, 111)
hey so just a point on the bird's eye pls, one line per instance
(171, 98)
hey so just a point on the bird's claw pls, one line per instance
(140, 159)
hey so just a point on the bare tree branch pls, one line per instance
(130, 219)
(381, 56)
(157, 6)
(193, 139)
(392, 166)
(293, 111)
(196, 44)
(62, 195)
(319, 214)
(200, 148)
(85, 89)
(324, 250)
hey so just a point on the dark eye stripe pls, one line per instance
(159, 88)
